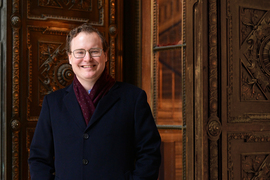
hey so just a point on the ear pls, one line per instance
(106, 55)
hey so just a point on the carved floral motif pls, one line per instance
(54, 71)
(63, 10)
(249, 20)
(81, 5)
(250, 85)
(254, 36)
(255, 28)
(256, 165)
(49, 3)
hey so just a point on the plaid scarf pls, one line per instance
(88, 102)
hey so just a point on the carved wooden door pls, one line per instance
(243, 118)
(38, 63)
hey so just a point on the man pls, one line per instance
(95, 128)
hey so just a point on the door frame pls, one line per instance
(3, 91)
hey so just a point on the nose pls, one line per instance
(87, 55)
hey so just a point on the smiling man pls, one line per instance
(87, 58)
(95, 128)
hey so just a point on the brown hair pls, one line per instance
(86, 27)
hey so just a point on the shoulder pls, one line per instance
(127, 86)
(123, 87)
(60, 93)
(127, 91)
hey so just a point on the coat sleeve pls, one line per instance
(41, 161)
(147, 142)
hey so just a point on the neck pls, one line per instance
(88, 84)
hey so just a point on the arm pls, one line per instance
(147, 142)
(41, 160)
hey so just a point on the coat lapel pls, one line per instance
(104, 105)
(74, 109)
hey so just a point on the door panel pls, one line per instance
(39, 62)
(245, 95)
(84, 11)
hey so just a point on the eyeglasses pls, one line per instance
(80, 53)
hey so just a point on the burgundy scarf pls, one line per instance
(88, 102)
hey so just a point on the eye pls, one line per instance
(94, 52)
(79, 52)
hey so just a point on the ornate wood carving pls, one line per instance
(253, 165)
(69, 10)
(82, 5)
(15, 122)
(15, 125)
(230, 58)
(53, 72)
(113, 34)
(112, 12)
(112, 56)
(254, 39)
(214, 125)
(251, 90)
(184, 93)
(29, 137)
(214, 129)
(155, 60)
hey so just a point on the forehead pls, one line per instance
(85, 39)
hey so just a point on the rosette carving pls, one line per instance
(15, 125)
(113, 30)
(16, 21)
(214, 128)
(64, 74)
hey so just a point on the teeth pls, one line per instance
(88, 66)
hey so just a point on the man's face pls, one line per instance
(87, 69)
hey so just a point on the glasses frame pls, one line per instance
(88, 52)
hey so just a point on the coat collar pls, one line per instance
(103, 106)
(73, 107)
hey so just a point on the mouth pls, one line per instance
(88, 66)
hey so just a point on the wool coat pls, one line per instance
(121, 141)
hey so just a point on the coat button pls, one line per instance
(85, 136)
(85, 161)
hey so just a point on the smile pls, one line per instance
(89, 66)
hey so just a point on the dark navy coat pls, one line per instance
(121, 141)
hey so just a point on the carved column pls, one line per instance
(113, 34)
(15, 122)
(214, 125)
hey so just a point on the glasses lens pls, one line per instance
(79, 53)
(95, 52)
